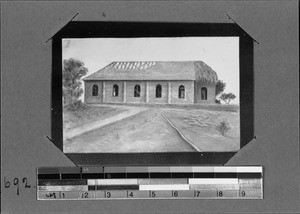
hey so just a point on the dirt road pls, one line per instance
(146, 131)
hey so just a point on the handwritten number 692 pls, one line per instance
(7, 184)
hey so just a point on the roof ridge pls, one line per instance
(157, 61)
(155, 70)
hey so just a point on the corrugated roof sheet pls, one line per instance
(159, 70)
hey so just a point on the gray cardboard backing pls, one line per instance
(26, 87)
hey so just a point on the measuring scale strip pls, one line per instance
(167, 194)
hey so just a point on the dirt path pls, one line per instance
(98, 124)
(180, 134)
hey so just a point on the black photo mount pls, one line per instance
(88, 29)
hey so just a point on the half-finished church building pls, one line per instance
(185, 82)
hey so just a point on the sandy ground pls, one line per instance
(143, 132)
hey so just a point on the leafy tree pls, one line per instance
(220, 86)
(223, 127)
(73, 71)
(227, 97)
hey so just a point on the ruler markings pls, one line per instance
(100, 194)
(82, 183)
(169, 194)
(250, 193)
(205, 193)
(87, 195)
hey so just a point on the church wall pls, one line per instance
(210, 93)
(189, 92)
(88, 88)
(126, 92)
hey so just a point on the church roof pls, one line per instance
(156, 70)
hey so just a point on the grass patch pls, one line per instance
(199, 126)
(83, 116)
(194, 106)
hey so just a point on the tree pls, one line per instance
(73, 71)
(227, 97)
(220, 86)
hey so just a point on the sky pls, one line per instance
(220, 53)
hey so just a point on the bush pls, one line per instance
(75, 105)
(133, 127)
(223, 127)
(217, 101)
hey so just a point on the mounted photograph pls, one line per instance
(151, 95)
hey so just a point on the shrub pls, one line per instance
(133, 127)
(75, 105)
(217, 101)
(223, 127)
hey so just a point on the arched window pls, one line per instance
(181, 92)
(115, 90)
(158, 91)
(203, 93)
(95, 90)
(137, 91)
